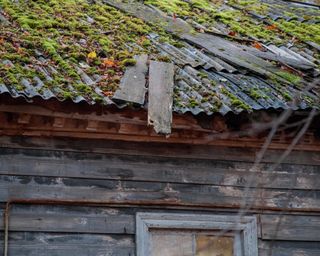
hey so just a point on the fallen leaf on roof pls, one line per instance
(108, 93)
(257, 45)
(92, 55)
(108, 63)
(272, 27)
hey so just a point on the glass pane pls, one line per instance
(214, 246)
(171, 244)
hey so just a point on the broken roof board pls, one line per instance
(161, 82)
(133, 83)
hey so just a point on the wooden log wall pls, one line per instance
(81, 197)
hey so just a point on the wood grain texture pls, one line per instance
(161, 81)
(62, 244)
(133, 84)
(153, 193)
(93, 229)
(285, 248)
(161, 169)
(287, 227)
(175, 150)
(70, 219)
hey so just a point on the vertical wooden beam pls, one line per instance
(161, 82)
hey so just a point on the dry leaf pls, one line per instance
(272, 27)
(92, 55)
(232, 33)
(108, 63)
(108, 93)
(257, 45)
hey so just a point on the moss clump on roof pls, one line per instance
(70, 34)
(304, 31)
(291, 78)
(215, 14)
(235, 101)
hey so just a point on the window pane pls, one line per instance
(171, 244)
(214, 246)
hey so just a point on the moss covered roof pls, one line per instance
(230, 55)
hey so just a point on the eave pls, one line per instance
(45, 119)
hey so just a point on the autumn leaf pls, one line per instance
(257, 45)
(232, 33)
(108, 63)
(108, 93)
(92, 55)
(1, 40)
(272, 27)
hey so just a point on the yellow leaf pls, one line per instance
(92, 55)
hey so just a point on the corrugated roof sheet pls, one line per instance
(218, 67)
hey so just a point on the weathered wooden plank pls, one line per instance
(161, 76)
(61, 244)
(132, 86)
(230, 52)
(153, 193)
(285, 248)
(214, 152)
(147, 168)
(81, 219)
(288, 227)
(70, 219)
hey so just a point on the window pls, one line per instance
(195, 235)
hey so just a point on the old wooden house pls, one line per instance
(159, 128)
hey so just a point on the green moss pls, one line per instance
(193, 103)
(286, 96)
(255, 94)
(235, 102)
(291, 78)
(60, 29)
(129, 62)
(202, 75)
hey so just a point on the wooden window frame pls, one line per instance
(246, 225)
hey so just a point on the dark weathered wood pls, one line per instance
(61, 244)
(80, 219)
(218, 152)
(70, 219)
(153, 193)
(287, 227)
(284, 248)
(161, 81)
(147, 168)
(133, 84)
